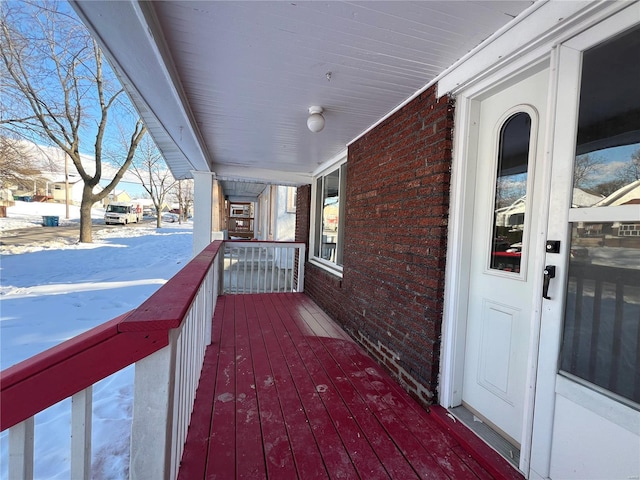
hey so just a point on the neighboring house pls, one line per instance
(6, 200)
(624, 233)
(276, 213)
(276, 218)
(117, 196)
(512, 215)
(148, 208)
(627, 195)
(580, 198)
(50, 161)
(75, 187)
(546, 354)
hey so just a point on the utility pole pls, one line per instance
(66, 185)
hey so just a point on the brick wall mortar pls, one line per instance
(390, 298)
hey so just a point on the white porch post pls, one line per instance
(203, 193)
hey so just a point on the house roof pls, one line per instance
(50, 161)
(626, 195)
(226, 86)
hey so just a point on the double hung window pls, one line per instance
(328, 219)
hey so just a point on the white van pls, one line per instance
(123, 213)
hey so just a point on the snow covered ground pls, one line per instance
(29, 214)
(54, 291)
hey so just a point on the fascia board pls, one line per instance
(544, 24)
(146, 71)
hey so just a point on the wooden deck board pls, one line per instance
(277, 450)
(285, 393)
(222, 441)
(306, 450)
(327, 413)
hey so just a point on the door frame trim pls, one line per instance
(461, 199)
(460, 231)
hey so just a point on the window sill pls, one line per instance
(328, 267)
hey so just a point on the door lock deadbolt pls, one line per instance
(553, 246)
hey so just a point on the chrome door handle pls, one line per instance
(549, 273)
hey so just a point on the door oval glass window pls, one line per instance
(510, 201)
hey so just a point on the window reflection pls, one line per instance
(329, 218)
(601, 342)
(511, 194)
(607, 166)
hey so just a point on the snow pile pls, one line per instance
(62, 290)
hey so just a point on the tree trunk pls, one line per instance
(86, 234)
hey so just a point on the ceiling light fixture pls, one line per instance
(315, 122)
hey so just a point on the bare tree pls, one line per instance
(184, 196)
(16, 164)
(586, 170)
(509, 189)
(60, 89)
(607, 188)
(631, 172)
(149, 166)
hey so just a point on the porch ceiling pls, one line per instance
(226, 86)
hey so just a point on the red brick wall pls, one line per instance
(391, 295)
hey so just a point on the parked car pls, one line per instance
(170, 217)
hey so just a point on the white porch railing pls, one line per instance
(263, 267)
(166, 337)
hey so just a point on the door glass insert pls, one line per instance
(511, 193)
(607, 167)
(601, 342)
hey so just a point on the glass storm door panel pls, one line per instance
(601, 334)
(589, 357)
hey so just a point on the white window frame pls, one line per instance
(326, 169)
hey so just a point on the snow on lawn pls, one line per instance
(29, 214)
(61, 290)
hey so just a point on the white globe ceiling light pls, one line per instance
(315, 122)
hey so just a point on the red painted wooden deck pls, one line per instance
(285, 394)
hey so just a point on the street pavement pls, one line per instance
(36, 235)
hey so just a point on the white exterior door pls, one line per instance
(507, 204)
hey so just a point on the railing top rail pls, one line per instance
(60, 352)
(259, 243)
(61, 371)
(166, 308)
